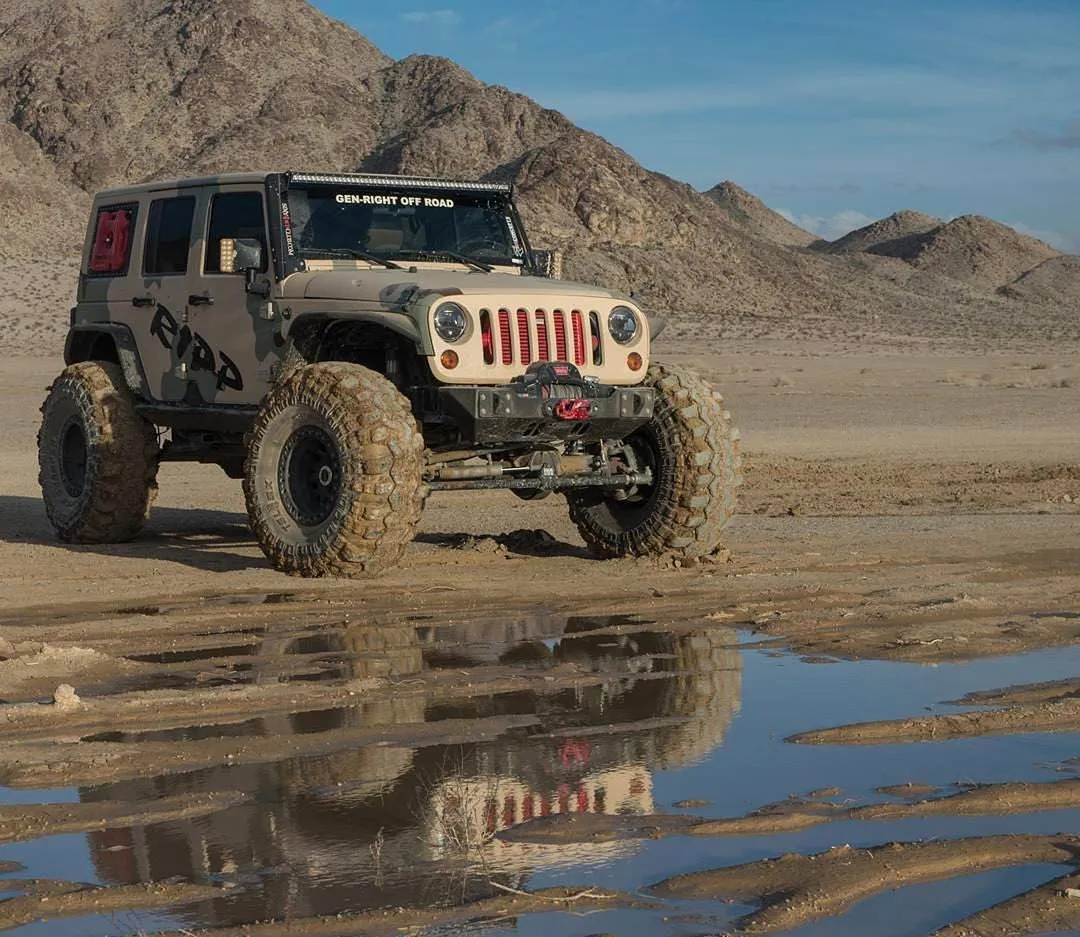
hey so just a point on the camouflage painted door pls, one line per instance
(157, 311)
(234, 352)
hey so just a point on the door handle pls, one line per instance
(143, 301)
(200, 299)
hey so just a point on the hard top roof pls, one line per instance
(339, 178)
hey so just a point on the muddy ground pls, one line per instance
(230, 745)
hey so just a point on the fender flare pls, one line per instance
(309, 329)
(83, 339)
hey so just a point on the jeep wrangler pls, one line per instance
(348, 343)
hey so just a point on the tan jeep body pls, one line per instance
(347, 344)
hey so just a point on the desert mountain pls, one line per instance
(898, 235)
(750, 213)
(980, 251)
(99, 92)
(971, 249)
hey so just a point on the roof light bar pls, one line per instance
(412, 182)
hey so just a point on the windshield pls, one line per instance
(329, 220)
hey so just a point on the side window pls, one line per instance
(111, 250)
(168, 233)
(234, 215)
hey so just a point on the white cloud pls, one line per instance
(830, 227)
(432, 17)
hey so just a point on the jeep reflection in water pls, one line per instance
(347, 344)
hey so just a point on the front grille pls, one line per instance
(525, 336)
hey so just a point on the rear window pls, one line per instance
(111, 249)
(168, 234)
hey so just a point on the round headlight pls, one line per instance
(622, 323)
(450, 322)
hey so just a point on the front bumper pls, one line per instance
(513, 413)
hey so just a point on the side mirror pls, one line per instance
(249, 254)
(238, 255)
(547, 263)
(244, 255)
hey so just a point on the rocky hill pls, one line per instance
(898, 235)
(755, 218)
(979, 251)
(1055, 281)
(99, 92)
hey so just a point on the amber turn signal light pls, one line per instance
(633, 361)
(449, 359)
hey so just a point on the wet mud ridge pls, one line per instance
(326, 765)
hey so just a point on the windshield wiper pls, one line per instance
(352, 252)
(459, 258)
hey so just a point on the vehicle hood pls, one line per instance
(398, 287)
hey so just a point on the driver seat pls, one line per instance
(385, 234)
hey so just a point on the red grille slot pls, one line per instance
(523, 336)
(579, 337)
(594, 329)
(487, 340)
(506, 343)
(560, 335)
(543, 347)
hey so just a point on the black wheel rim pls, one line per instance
(309, 476)
(646, 455)
(73, 458)
(635, 508)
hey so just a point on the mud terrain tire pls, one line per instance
(693, 450)
(332, 479)
(97, 457)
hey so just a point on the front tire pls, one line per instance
(97, 456)
(692, 448)
(333, 478)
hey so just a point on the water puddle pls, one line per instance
(614, 717)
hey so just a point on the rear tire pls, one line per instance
(97, 457)
(693, 450)
(333, 478)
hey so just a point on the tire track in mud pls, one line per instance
(1042, 707)
(1006, 799)
(1049, 909)
(41, 899)
(795, 889)
(30, 821)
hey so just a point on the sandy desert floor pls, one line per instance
(244, 746)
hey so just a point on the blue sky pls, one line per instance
(834, 111)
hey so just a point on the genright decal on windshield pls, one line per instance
(352, 198)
